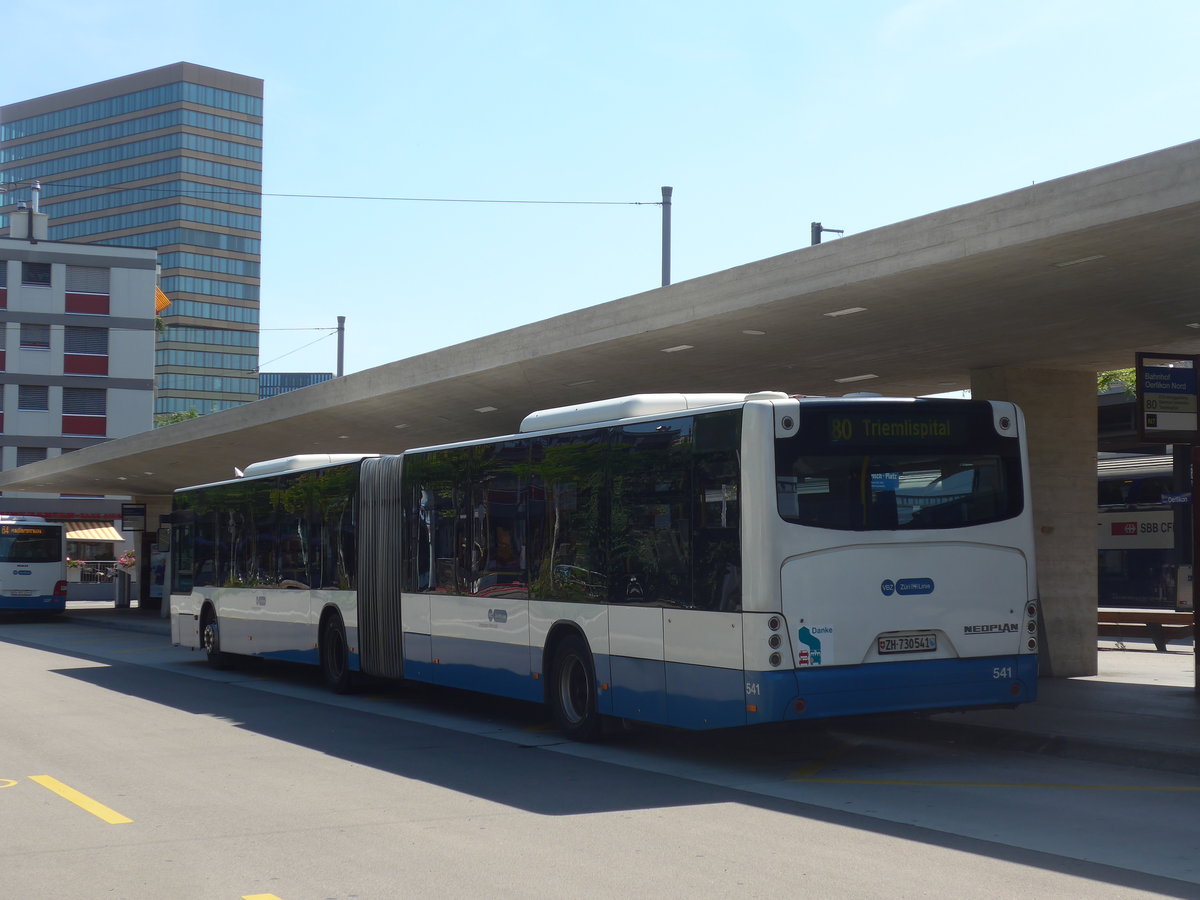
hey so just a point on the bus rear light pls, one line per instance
(1015, 689)
(751, 708)
(60, 589)
(1031, 610)
(773, 623)
(799, 706)
(775, 659)
(1031, 643)
(775, 640)
(1031, 626)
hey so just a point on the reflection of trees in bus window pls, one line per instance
(437, 516)
(650, 524)
(716, 548)
(498, 506)
(293, 530)
(565, 549)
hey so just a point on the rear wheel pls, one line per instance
(335, 655)
(573, 690)
(210, 638)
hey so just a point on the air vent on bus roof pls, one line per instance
(633, 407)
(303, 461)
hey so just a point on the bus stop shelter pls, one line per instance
(1022, 296)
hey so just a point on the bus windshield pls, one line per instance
(30, 544)
(883, 467)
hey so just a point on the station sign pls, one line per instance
(133, 516)
(1166, 394)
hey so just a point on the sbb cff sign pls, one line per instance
(1136, 530)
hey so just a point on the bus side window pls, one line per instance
(651, 514)
(566, 552)
(716, 490)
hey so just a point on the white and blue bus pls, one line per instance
(701, 561)
(33, 565)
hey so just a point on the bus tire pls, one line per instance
(573, 690)
(210, 638)
(335, 655)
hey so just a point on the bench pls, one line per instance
(1160, 625)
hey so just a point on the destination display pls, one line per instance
(902, 430)
(29, 530)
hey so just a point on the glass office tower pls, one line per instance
(169, 159)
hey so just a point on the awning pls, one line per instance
(93, 531)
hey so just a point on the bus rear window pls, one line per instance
(30, 544)
(922, 467)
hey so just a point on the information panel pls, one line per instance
(133, 516)
(1166, 390)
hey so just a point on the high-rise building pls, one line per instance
(169, 159)
(271, 384)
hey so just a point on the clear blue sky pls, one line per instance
(763, 116)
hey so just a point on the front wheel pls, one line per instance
(573, 690)
(210, 638)
(335, 656)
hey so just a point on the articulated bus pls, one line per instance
(33, 565)
(701, 561)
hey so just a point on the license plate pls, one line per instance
(907, 643)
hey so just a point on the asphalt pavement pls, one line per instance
(1142, 709)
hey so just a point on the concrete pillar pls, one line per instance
(1060, 417)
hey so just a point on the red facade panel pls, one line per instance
(92, 426)
(79, 364)
(88, 304)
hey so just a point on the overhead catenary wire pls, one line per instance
(216, 190)
(332, 331)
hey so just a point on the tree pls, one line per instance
(1126, 378)
(171, 418)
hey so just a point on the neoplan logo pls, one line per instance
(999, 628)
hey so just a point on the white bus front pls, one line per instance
(32, 565)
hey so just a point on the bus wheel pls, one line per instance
(210, 638)
(573, 690)
(335, 655)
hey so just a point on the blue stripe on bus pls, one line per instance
(704, 697)
(311, 657)
(24, 604)
(888, 687)
(487, 666)
(638, 688)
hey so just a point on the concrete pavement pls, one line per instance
(1140, 710)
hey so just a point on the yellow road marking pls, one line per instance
(83, 801)
(5, 782)
(259, 897)
(807, 773)
(997, 784)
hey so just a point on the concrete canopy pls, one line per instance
(1074, 274)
